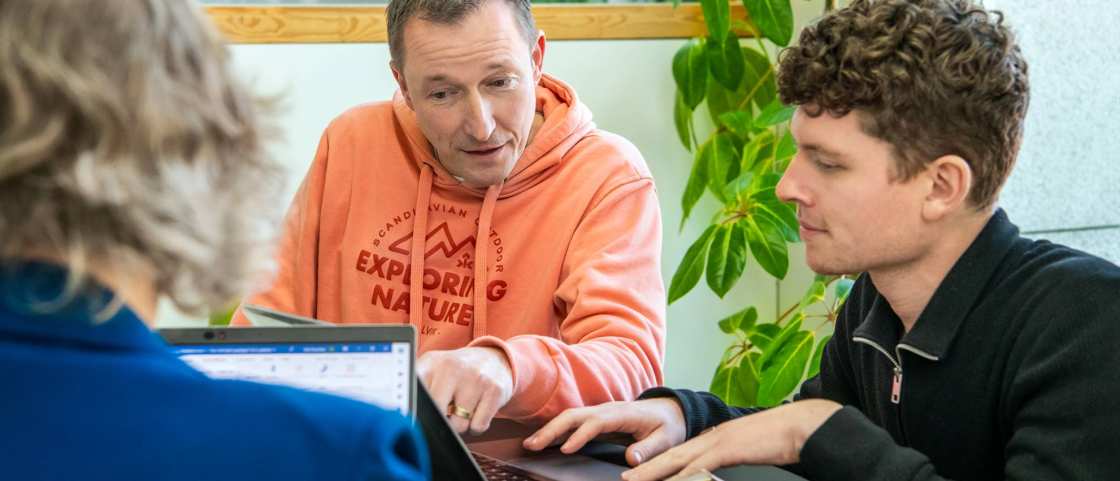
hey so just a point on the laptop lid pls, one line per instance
(374, 363)
(450, 458)
(263, 316)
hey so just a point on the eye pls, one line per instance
(441, 94)
(504, 83)
(823, 164)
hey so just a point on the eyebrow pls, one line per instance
(443, 78)
(822, 150)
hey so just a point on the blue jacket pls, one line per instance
(86, 400)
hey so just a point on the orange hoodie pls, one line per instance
(559, 267)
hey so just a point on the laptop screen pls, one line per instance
(374, 372)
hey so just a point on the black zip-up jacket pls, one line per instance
(1012, 371)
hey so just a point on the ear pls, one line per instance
(950, 181)
(537, 56)
(398, 75)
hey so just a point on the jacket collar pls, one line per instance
(32, 310)
(953, 299)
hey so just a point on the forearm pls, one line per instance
(551, 376)
(702, 410)
(849, 447)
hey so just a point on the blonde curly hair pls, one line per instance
(125, 139)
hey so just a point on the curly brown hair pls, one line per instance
(929, 77)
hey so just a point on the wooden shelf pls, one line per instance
(367, 24)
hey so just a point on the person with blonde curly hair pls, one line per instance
(964, 351)
(133, 168)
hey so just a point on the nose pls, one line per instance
(479, 122)
(791, 188)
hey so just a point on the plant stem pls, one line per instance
(750, 95)
(778, 322)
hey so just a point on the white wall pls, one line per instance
(1065, 185)
(1064, 179)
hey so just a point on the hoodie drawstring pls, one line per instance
(482, 238)
(417, 253)
(419, 238)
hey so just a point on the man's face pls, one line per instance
(473, 88)
(854, 217)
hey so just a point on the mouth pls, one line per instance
(483, 151)
(807, 228)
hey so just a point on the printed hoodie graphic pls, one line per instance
(558, 266)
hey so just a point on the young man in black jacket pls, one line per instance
(965, 351)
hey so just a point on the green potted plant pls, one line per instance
(738, 160)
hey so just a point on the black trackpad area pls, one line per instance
(604, 451)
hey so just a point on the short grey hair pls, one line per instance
(125, 140)
(447, 12)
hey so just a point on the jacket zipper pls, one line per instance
(896, 382)
(896, 360)
(896, 386)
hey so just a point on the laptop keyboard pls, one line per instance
(495, 470)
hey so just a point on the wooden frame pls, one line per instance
(292, 24)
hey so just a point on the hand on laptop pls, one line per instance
(656, 424)
(469, 384)
(774, 436)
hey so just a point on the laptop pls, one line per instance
(263, 316)
(376, 364)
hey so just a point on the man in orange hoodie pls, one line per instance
(482, 206)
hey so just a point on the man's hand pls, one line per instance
(478, 380)
(656, 424)
(774, 436)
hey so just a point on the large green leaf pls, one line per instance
(742, 321)
(786, 370)
(815, 361)
(690, 71)
(773, 17)
(759, 78)
(697, 180)
(765, 188)
(723, 163)
(736, 382)
(748, 380)
(727, 257)
(719, 101)
(717, 14)
(763, 334)
(753, 152)
(768, 246)
(782, 215)
(785, 151)
(691, 266)
(682, 118)
(814, 294)
(723, 383)
(787, 331)
(725, 58)
(740, 186)
(738, 122)
(773, 114)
